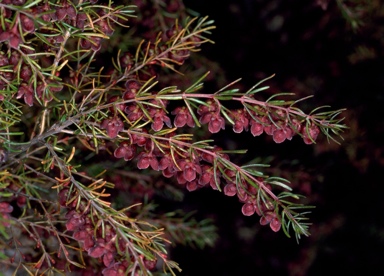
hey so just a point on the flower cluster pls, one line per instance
(275, 124)
(197, 170)
(102, 243)
(39, 22)
(196, 167)
(66, 111)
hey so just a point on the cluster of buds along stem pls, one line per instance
(63, 107)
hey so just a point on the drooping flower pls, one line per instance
(189, 169)
(183, 117)
(26, 91)
(310, 134)
(12, 36)
(125, 150)
(146, 159)
(113, 126)
(241, 121)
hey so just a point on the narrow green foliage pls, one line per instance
(92, 130)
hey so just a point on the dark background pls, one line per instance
(313, 50)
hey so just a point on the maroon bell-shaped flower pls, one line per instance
(271, 218)
(279, 135)
(159, 117)
(183, 117)
(12, 36)
(138, 139)
(256, 128)
(113, 126)
(216, 123)
(270, 128)
(289, 132)
(27, 23)
(189, 169)
(207, 176)
(248, 209)
(192, 186)
(134, 112)
(230, 189)
(214, 120)
(74, 220)
(310, 134)
(132, 88)
(126, 151)
(146, 159)
(241, 120)
(25, 73)
(25, 91)
(210, 107)
(105, 27)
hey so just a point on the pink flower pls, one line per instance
(113, 126)
(310, 134)
(210, 107)
(279, 135)
(189, 169)
(248, 209)
(134, 112)
(183, 117)
(207, 177)
(192, 186)
(230, 189)
(126, 151)
(27, 23)
(159, 118)
(12, 36)
(214, 120)
(26, 91)
(271, 218)
(75, 220)
(138, 139)
(256, 128)
(132, 87)
(241, 120)
(146, 159)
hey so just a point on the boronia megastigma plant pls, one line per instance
(93, 105)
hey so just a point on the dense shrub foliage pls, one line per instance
(102, 108)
